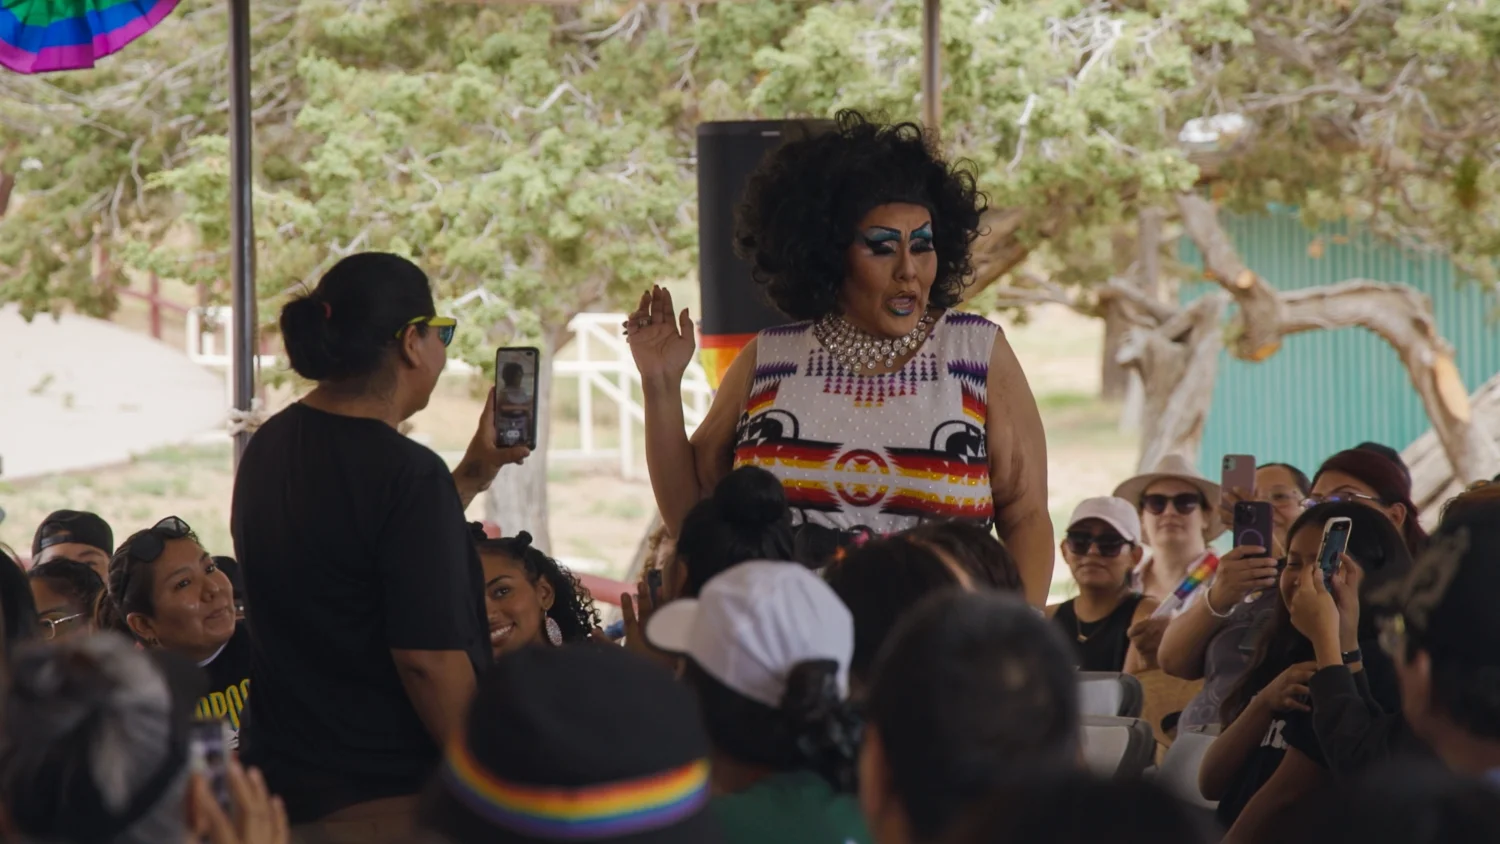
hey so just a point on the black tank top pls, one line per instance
(1100, 645)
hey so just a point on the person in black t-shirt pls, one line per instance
(368, 624)
(166, 592)
(1270, 755)
(1102, 548)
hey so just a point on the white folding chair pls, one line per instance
(1111, 694)
(1117, 748)
(1178, 773)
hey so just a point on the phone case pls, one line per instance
(1253, 525)
(1335, 543)
(1238, 473)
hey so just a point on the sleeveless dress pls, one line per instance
(1098, 645)
(874, 454)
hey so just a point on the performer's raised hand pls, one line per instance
(661, 340)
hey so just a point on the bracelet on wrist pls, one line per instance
(1208, 602)
(1351, 657)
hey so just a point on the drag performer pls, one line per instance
(880, 407)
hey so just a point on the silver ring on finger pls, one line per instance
(643, 322)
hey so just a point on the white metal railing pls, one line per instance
(206, 327)
(601, 363)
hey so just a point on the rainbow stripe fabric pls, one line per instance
(38, 36)
(586, 813)
(1195, 578)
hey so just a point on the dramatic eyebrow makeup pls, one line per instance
(881, 234)
(923, 232)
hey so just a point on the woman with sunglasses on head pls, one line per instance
(1370, 477)
(1102, 547)
(1213, 639)
(367, 591)
(1270, 754)
(67, 594)
(166, 592)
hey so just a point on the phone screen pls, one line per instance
(1335, 542)
(653, 583)
(516, 396)
(208, 752)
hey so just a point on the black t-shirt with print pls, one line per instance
(228, 681)
(1288, 730)
(353, 543)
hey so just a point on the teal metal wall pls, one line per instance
(1329, 390)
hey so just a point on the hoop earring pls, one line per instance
(554, 632)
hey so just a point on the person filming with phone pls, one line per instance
(1269, 755)
(370, 623)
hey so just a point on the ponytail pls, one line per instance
(822, 726)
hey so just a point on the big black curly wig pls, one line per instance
(803, 205)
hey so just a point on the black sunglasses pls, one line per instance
(1108, 546)
(148, 545)
(1185, 503)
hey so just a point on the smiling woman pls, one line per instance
(882, 407)
(166, 592)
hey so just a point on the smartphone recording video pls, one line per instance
(516, 396)
(1335, 543)
(208, 752)
(1252, 525)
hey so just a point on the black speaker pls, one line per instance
(734, 307)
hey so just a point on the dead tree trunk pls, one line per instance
(1432, 477)
(518, 499)
(1398, 314)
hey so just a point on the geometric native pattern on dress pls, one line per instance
(791, 329)
(962, 318)
(872, 390)
(798, 454)
(913, 502)
(972, 377)
(764, 384)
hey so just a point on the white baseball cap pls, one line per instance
(751, 624)
(1115, 512)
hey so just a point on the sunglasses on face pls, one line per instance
(1184, 503)
(445, 326)
(1337, 498)
(49, 625)
(1106, 546)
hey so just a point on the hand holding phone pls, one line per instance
(1238, 475)
(209, 743)
(1335, 543)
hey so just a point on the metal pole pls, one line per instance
(932, 65)
(241, 218)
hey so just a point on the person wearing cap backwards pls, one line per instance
(74, 535)
(1102, 547)
(768, 647)
(1440, 626)
(543, 756)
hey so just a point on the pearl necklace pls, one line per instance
(857, 349)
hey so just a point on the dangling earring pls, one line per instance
(554, 632)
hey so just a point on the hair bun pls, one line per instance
(308, 337)
(523, 539)
(751, 499)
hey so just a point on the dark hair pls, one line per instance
(973, 691)
(1378, 548)
(343, 329)
(803, 205)
(1388, 453)
(1389, 479)
(132, 584)
(975, 548)
(572, 605)
(16, 603)
(77, 581)
(1299, 477)
(1080, 808)
(745, 519)
(1479, 499)
(880, 582)
(812, 729)
(511, 374)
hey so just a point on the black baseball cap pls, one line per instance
(584, 742)
(73, 526)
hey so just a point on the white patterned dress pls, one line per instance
(874, 454)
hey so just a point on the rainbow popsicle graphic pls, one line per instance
(1195, 578)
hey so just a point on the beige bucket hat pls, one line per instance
(1177, 468)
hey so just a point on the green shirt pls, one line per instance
(799, 807)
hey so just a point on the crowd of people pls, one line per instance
(846, 641)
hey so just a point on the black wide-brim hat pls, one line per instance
(584, 743)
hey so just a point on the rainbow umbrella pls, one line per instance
(37, 36)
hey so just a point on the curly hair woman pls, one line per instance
(531, 599)
(881, 407)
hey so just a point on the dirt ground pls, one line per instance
(597, 515)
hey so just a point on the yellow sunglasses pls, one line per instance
(445, 327)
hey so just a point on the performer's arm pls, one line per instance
(1018, 471)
